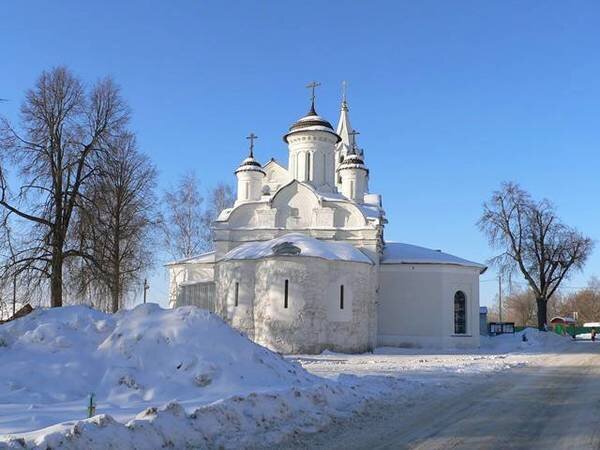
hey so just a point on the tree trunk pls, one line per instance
(56, 278)
(116, 287)
(116, 274)
(542, 313)
(115, 294)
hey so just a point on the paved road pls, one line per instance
(554, 404)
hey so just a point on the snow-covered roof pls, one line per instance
(372, 212)
(399, 253)
(208, 257)
(562, 320)
(307, 246)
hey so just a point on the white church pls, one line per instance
(301, 264)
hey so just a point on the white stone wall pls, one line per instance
(313, 320)
(416, 305)
(228, 273)
(275, 176)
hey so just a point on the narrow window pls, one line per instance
(460, 313)
(285, 295)
(308, 174)
(342, 296)
(237, 293)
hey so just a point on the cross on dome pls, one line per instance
(353, 134)
(312, 86)
(252, 137)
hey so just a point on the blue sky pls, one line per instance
(451, 98)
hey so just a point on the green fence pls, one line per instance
(558, 329)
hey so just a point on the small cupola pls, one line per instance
(353, 173)
(250, 175)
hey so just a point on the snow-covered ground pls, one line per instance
(183, 378)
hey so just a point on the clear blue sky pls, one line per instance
(451, 98)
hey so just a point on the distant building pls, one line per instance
(483, 320)
(301, 264)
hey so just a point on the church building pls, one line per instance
(301, 263)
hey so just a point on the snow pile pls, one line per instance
(308, 246)
(235, 422)
(53, 359)
(537, 341)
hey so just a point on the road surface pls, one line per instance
(552, 404)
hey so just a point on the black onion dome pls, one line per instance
(311, 122)
(250, 164)
(353, 161)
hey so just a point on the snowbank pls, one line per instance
(537, 341)
(53, 359)
(235, 422)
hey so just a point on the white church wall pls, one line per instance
(416, 305)
(348, 216)
(467, 281)
(308, 324)
(275, 176)
(294, 205)
(239, 314)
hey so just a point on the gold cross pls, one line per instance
(252, 137)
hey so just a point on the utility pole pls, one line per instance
(500, 297)
(146, 287)
(14, 295)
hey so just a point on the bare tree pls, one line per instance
(533, 241)
(221, 197)
(184, 222)
(63, 130)
(520, 307)
(586, 302)
(115, 226)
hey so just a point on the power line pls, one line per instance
(524, 283)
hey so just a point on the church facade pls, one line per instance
(300, 262)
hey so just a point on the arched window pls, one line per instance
(285, 294)
(342, 296)
(237, 294)
(308, 174)
(460, 313)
